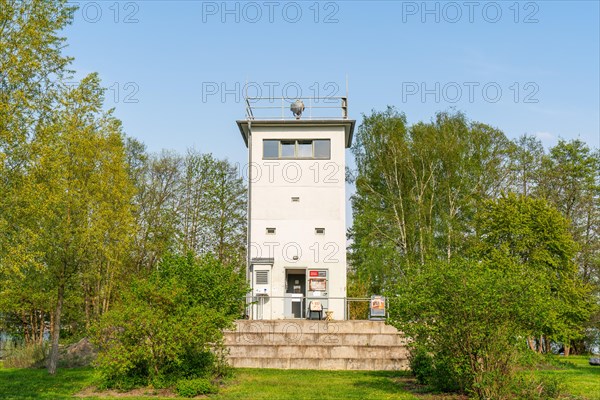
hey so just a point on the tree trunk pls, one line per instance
(531, 343)
(42, 328)
(53, 362)
(567, 349)
(25, 329)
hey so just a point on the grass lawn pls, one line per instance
(580, 379)
(294, 384)
(37, 384)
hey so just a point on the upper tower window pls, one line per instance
(297, 149)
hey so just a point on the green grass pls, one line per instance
(294, 384)
(38, 384)
(580, 379)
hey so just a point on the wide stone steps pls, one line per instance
(304, 344)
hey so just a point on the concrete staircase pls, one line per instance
(306, 344)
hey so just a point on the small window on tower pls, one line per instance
(322, 148)
(288, 149)
(270, 231)
(320, 231)
(305, 149)
(270, 148)
(295, 199)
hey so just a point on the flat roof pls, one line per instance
(348, 125)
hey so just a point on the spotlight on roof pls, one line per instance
(297, 108)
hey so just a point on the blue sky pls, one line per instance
(176, 69)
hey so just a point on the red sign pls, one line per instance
(314, 273)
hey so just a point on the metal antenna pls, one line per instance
(346, 85)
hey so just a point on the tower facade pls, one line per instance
(296, 213)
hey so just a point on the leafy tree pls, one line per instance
(76, 204)
(31, 63)
(156, 178)
(571, 182)
(212, 208)
(536, 238)
(526, 164)
(568, 177)
(417, 189)
(468, 318)
(194, 203)
(168, 326)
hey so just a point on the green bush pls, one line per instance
(169, 327)
(465, 319)
(421, 365)
(195, 387)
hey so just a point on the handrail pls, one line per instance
(312, 109)
(252, 300)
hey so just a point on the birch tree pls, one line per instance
(418, 188)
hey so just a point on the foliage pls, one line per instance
(187, 203)
(530, 387)
(568, 177)
(80, 212)
(535, 237)
(65, 212)
(195, 387)
(32, 63)
(167, 326)
(418, 188)
(421, 364)
(467, 320)
(358, 287)
(75, 203)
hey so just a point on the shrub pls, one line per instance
(421, 365)
(467, 321)
(195, 387)
(169, 327)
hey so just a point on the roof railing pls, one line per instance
(278, 108)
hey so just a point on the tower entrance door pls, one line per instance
(295, 293)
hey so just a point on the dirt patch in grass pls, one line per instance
(423, 392)
(142, 392)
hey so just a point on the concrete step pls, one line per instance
(316, 339)
(313, 326)
(308, 351)
(321, 364)
(305, 344)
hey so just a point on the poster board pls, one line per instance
(317, 284)
(377, 307)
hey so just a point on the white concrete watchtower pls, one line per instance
(296, 205)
